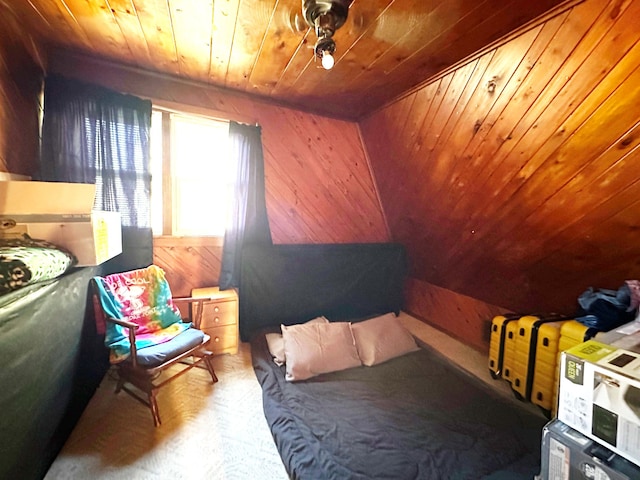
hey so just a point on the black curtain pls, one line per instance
(248, 223)
(94, 135)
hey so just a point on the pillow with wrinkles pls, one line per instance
(382, 338)
(313, 349)
(276, 346)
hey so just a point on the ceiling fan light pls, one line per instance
(324, 50)
(327, 60)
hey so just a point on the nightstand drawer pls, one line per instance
(216, 314)
(219, 318)
(223, 339)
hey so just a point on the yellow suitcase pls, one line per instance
(497, 342)
(525, 352)
(509, 350)
(572, 333)
(543, 390)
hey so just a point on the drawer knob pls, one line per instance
(216, 309)
(216, 320)
(217, 339)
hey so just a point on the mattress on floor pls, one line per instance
(418, 416)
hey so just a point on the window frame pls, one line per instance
(168, 203)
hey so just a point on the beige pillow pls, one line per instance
(382, 338)
(316, 348)
(276, 347)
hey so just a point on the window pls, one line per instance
(122, 181)
(192, 175)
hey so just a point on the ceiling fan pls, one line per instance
(325, 17)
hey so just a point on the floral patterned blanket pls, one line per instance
(25, 261)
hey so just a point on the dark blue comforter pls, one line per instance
(414, 417)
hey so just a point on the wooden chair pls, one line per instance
(146, 334)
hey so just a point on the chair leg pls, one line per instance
(143, 384)
(143, 380)
(153, 405)
(209, 364)
(119, 384)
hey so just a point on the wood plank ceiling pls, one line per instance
(261, 47)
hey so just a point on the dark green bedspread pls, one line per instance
(415, 417)
(49, 370)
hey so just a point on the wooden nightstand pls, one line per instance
(219, 318)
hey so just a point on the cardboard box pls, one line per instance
(600, 395)
(62, 214)
(567, 454)
(626, 336)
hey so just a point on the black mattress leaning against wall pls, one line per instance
(288, 284)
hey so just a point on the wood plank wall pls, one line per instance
(189, 262)
(20, 87)
(512, 178)
(319, 187)
(193, 262)
(462, 317)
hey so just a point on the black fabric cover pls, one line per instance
(289, 284)
(414, 417)
(137, 251)
(52, 362)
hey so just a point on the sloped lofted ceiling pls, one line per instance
(519, 170)
(261, 47)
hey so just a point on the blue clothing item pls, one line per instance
(605, 309)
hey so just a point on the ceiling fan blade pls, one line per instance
(294, 21)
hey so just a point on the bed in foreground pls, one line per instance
(415, 416)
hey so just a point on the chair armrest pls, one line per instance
(132, 336)
(198, 305)
(123, 323)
